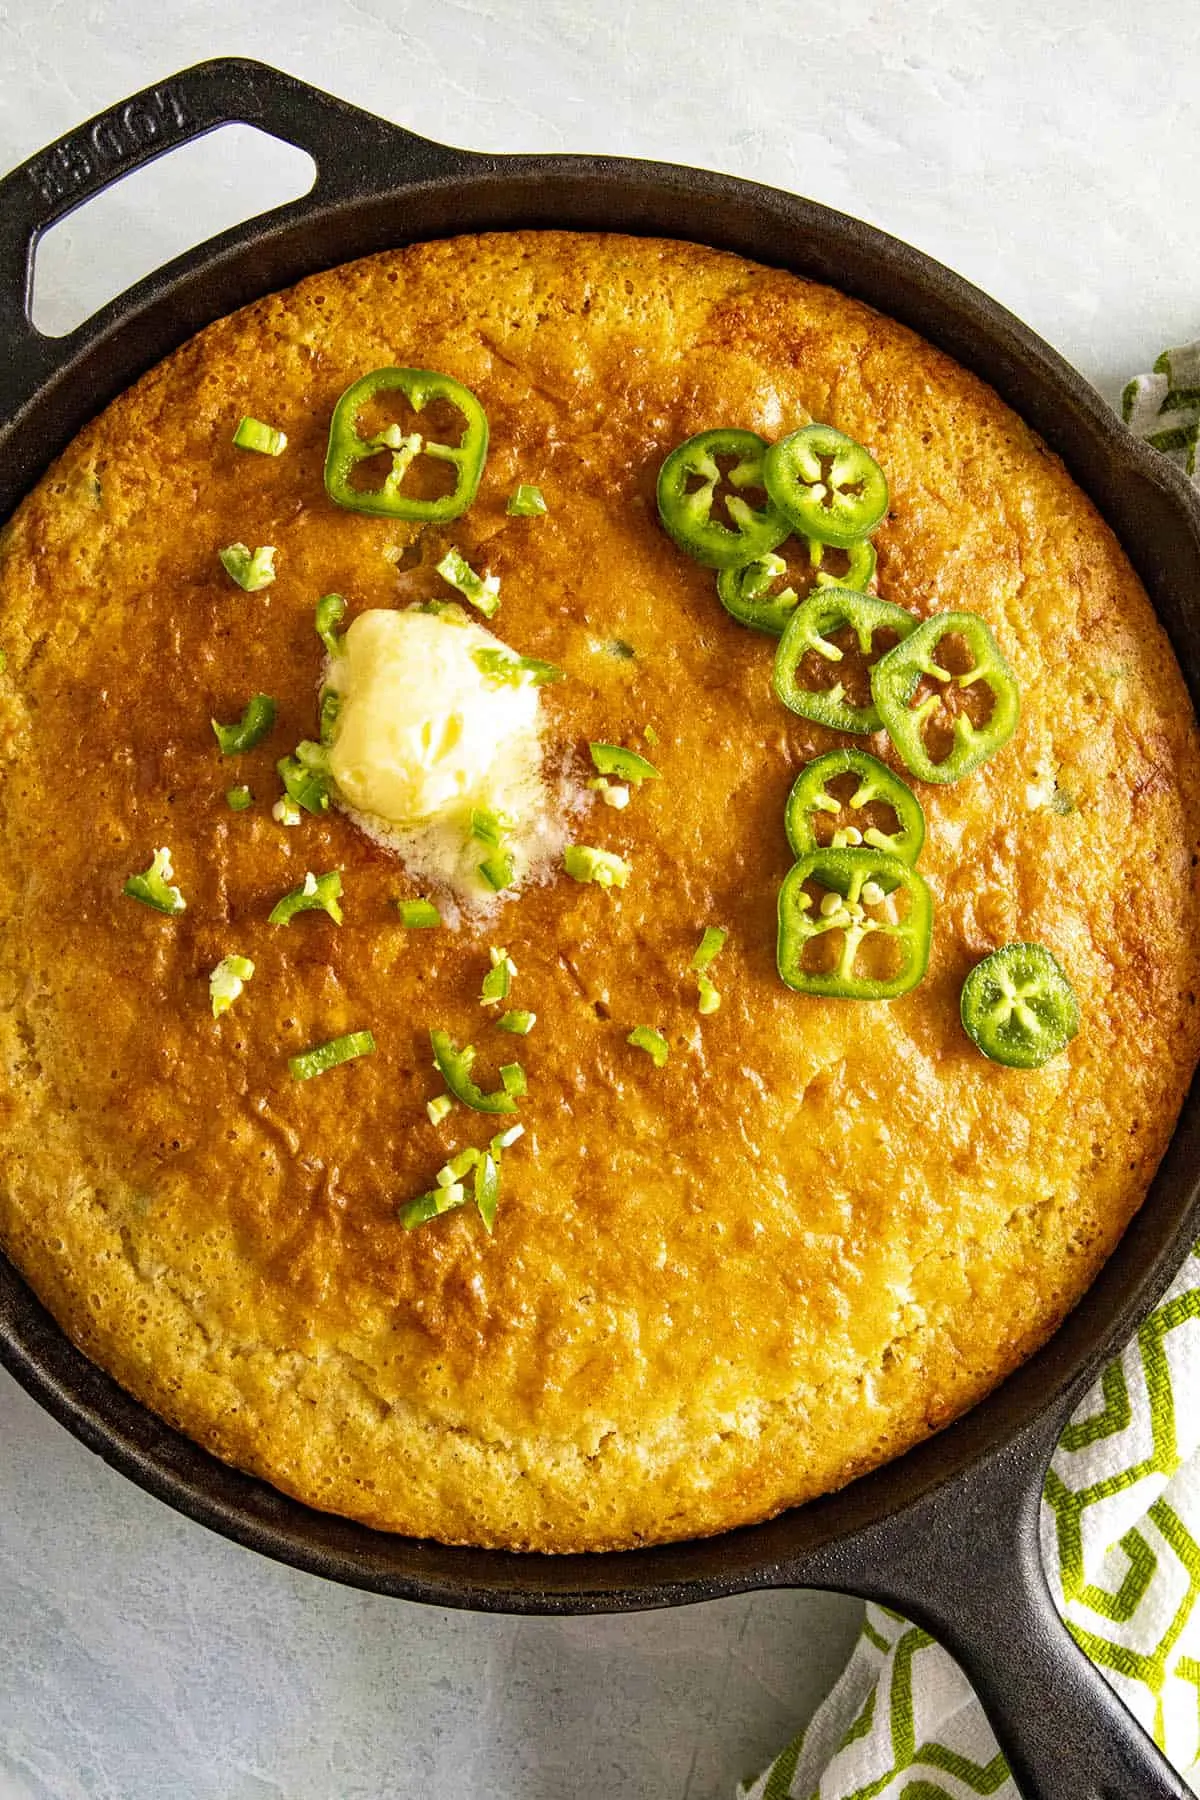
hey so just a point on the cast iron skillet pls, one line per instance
(948, 1533)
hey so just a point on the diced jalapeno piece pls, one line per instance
(811, 628)
(687, 489)
(868, 896)
(1018, 1007)
(454, 1066)
(252, 434)
(876, 785)
(347, 447)
(256, 721)
(896, 677)
(826, 485)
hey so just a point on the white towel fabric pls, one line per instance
(1120, 1512)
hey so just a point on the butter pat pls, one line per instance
(423, 738)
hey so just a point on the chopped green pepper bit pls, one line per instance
(239, 799)
(498, 980)
(876, 782)
(896, 677)
(519, 1023)
(227, 981)
(449, 610)
(483, 591)
(347, 447)
(1018, 1007)
(710, 999)
(584, 863)
(811, 627)
(487, 1190)
(644, 1037)
(432, 1205)
(489, 827)
(498, 869)
(439, 1108)
(315, 894)
(686, 512)
(330, 611)
(710, 947)
(286, 812)
(330, 707)
(251, 570)
(512, 1079)
(858, 883)
(527, 503)
(825, 485)
(253, 726)
(252, 434)
(503, 668)
(152, 887)
(329, 1055)
(306, 777)
(457, 1167)
(613, 759)
(419, 915)
(455, 1065)
(504, 1140)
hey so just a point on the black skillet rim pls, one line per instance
(355, 204)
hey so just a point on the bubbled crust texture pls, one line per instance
(714, 1290)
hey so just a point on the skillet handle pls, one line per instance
(964, 1563)
(349, 147)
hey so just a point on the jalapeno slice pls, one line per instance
(868, 894)
(1018, 1007)
(896, 677)
(347, 447)
(686, 512)
(876, 783)
(811, 628)
(751, 594)
(826, 485)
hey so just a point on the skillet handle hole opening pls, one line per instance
(158, 212)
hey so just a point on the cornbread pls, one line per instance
(716, 1288)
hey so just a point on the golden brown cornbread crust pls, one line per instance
(824, 1228)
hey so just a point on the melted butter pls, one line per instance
(424, 738)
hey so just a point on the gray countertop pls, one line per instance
(1049, 150)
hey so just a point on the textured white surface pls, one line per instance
(1049, 150)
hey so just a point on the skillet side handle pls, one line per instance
(351, 149)
(965, 1564)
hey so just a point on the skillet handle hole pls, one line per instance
(157, 213)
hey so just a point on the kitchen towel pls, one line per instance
(1120, 1511)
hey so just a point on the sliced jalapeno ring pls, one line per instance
(753, 597)
(687, 513)
(348, 447)
(811, 628)
(1018, 1007)
(877, 785)
(896, 677)
(862, 892)
(860, 564)
(826, 485)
